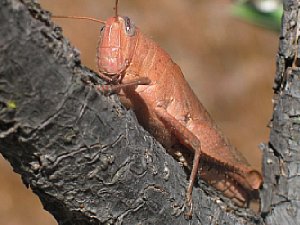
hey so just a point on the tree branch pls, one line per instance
(280, 195)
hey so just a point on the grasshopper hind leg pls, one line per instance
(191, 142)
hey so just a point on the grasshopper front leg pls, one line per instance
(116, 88)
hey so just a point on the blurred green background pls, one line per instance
(230, 65)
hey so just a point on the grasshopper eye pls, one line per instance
(129, 27)
(102, 29)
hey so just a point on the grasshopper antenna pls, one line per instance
(116, 8)
(79, 17)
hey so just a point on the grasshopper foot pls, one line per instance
(189, 207)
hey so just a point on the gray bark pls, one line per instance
(87, 158)
(281, 159)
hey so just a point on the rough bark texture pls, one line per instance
(87, 158)
(281, 195)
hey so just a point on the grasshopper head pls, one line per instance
(116, 46)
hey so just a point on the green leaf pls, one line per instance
(249, 13)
